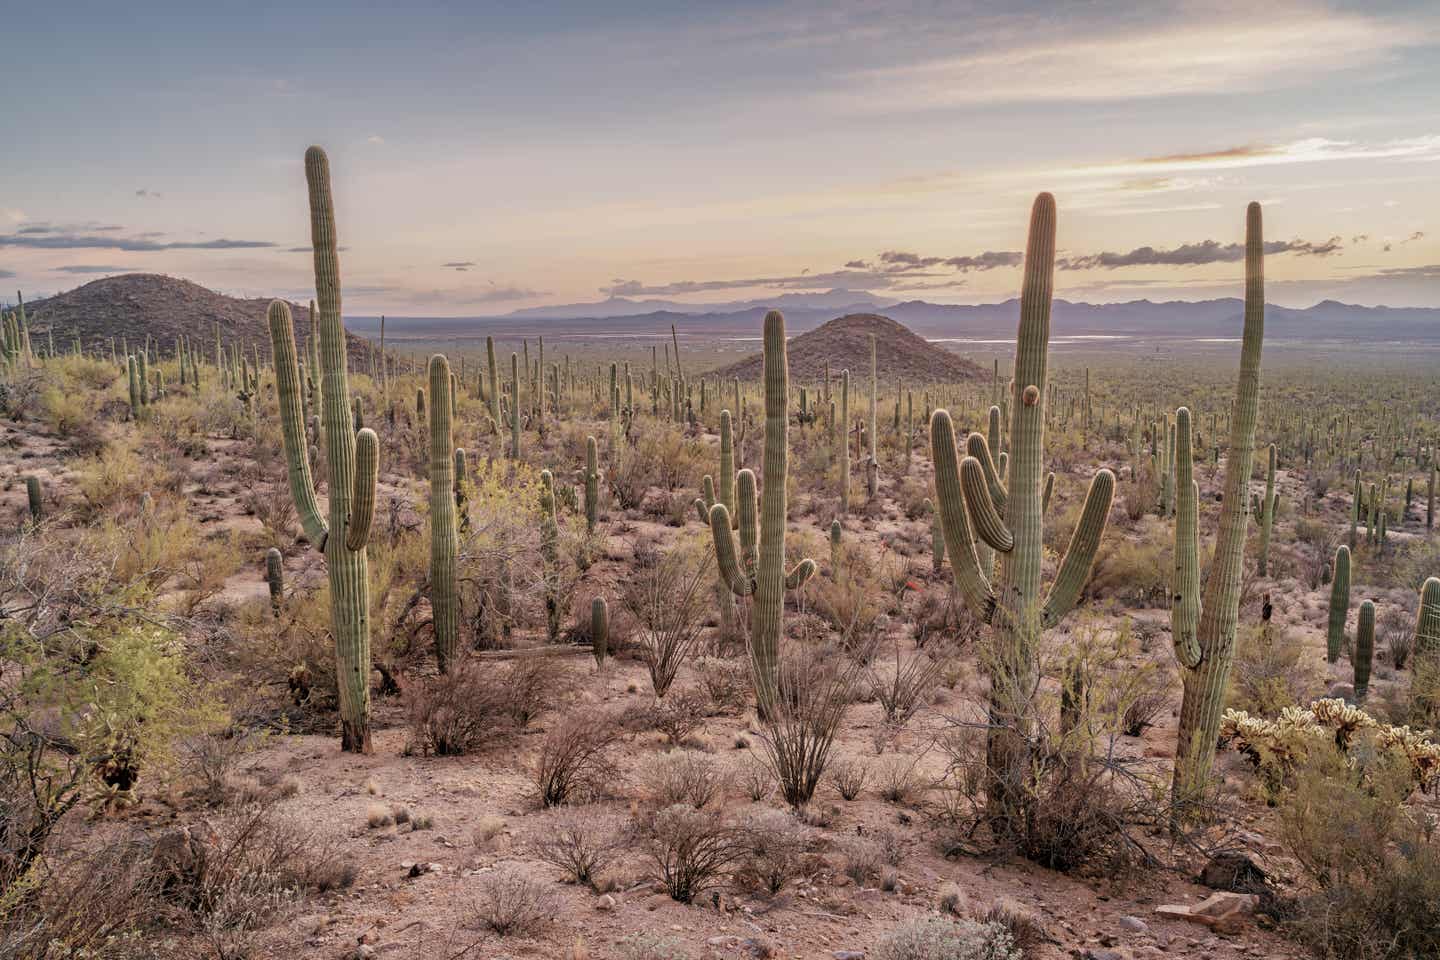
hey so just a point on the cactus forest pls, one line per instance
(348, 639)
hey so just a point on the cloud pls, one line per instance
(83, 268)
(1310, 150)
(1429, 271)
(857, 265)
(1417, 235)
(1359, 238)
(7, 274)
(148, 193)
(46, 237)
(375, 138)
(461, 265)
(1193, 254)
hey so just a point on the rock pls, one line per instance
(605, 904)
(1234, 872)
(1134, 925)
(1106, 955)
(1221, 912)
(364, 952)
(849, 955)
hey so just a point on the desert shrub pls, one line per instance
(946, 940)
(851, 600)
(1024, 926)
(1271, 671)
(897, 778)
(863, 860)
(774, 850)
(457, 713)
(652, 946)
(903, 689)
(756, 779)
(1135, 573)
(680, 713)
(797, 737)
(679, 777)
(690, 849)
(72, 416)
(1373, 863)
(849, 777)
(1395, 628)
(117, 478)
(666, 601)
(510, 900)
(581, 842)
(726, 681)
(943, 621)
(574, 760)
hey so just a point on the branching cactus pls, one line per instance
(1204, 626)
(973, 504)
(1265, 512)
(443, 535)
(1339, 603)
(1364, 647)
(767, 580)
(353, 459)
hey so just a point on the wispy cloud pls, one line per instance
(148, 194)
(460, 265)
(6, 274)
(1193, 254)
(375, 138)
(87, 268)
(1309, 150)
(48, 237)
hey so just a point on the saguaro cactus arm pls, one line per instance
(977, 447)
(988, 523)
(950, 502)
(739, 581)
(1080, 555)
(800, 574)
(362, 490)
(292, 424)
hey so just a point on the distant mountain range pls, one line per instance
(837, 301)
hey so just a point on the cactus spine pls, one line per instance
(1265, 512)
(1009, 519)
(1364, 647)
(769, 580)
(1205, 650)
(443, 536)
(353, 460)
(1339, 603)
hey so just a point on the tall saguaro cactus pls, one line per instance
(1265, 512)
(1008, 517)
(767, 580)
(443, 534)
(1364, 647)
(1204, 626)
(1339, 603)
(353, 459)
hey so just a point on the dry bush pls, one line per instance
(849, 776)
(1271, 671)
(581, 842)
(863, 860)
(851, 600)
(774, 850)
(756, 779)
(510, 900)
(897, 778)
(936, 939)
(943, 621)
(574, 762)
(651, 946)
(1134, 573)
(726, 681)
(690, 849)
(903, 690)
(1396, 629)
(814, 693)
(680, 713)
(667, 603)
(1374, 864)
(679, 777)
(459, 712)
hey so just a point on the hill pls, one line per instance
(137, 305)
(844, 343)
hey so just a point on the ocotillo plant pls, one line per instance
(353, 459)
(1339, 603)
(1014, 605)
(275, 578)
(443, 535)
(1364, 647)
(1205, 649)
(768, 580)
(1265, 512)
(599, 630)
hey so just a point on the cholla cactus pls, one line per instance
(1339, 603)
(443, 534)
(1204, 627)
(766, 580)
(353, 460)
(974, 504)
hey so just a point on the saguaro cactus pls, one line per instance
(768, 580)
(35, 496)
(1427, 622)
(550, 554)
(353, 459)
(872, 465)
(1204, 627)
(592, 483)
(1364, 647)
(1265, 513)
(599, 630)
(843, 438)
(443, 607)
(1339, 603)
(1008, 518)
(275, 578)
(514, 407)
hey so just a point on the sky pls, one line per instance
(491, 156)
